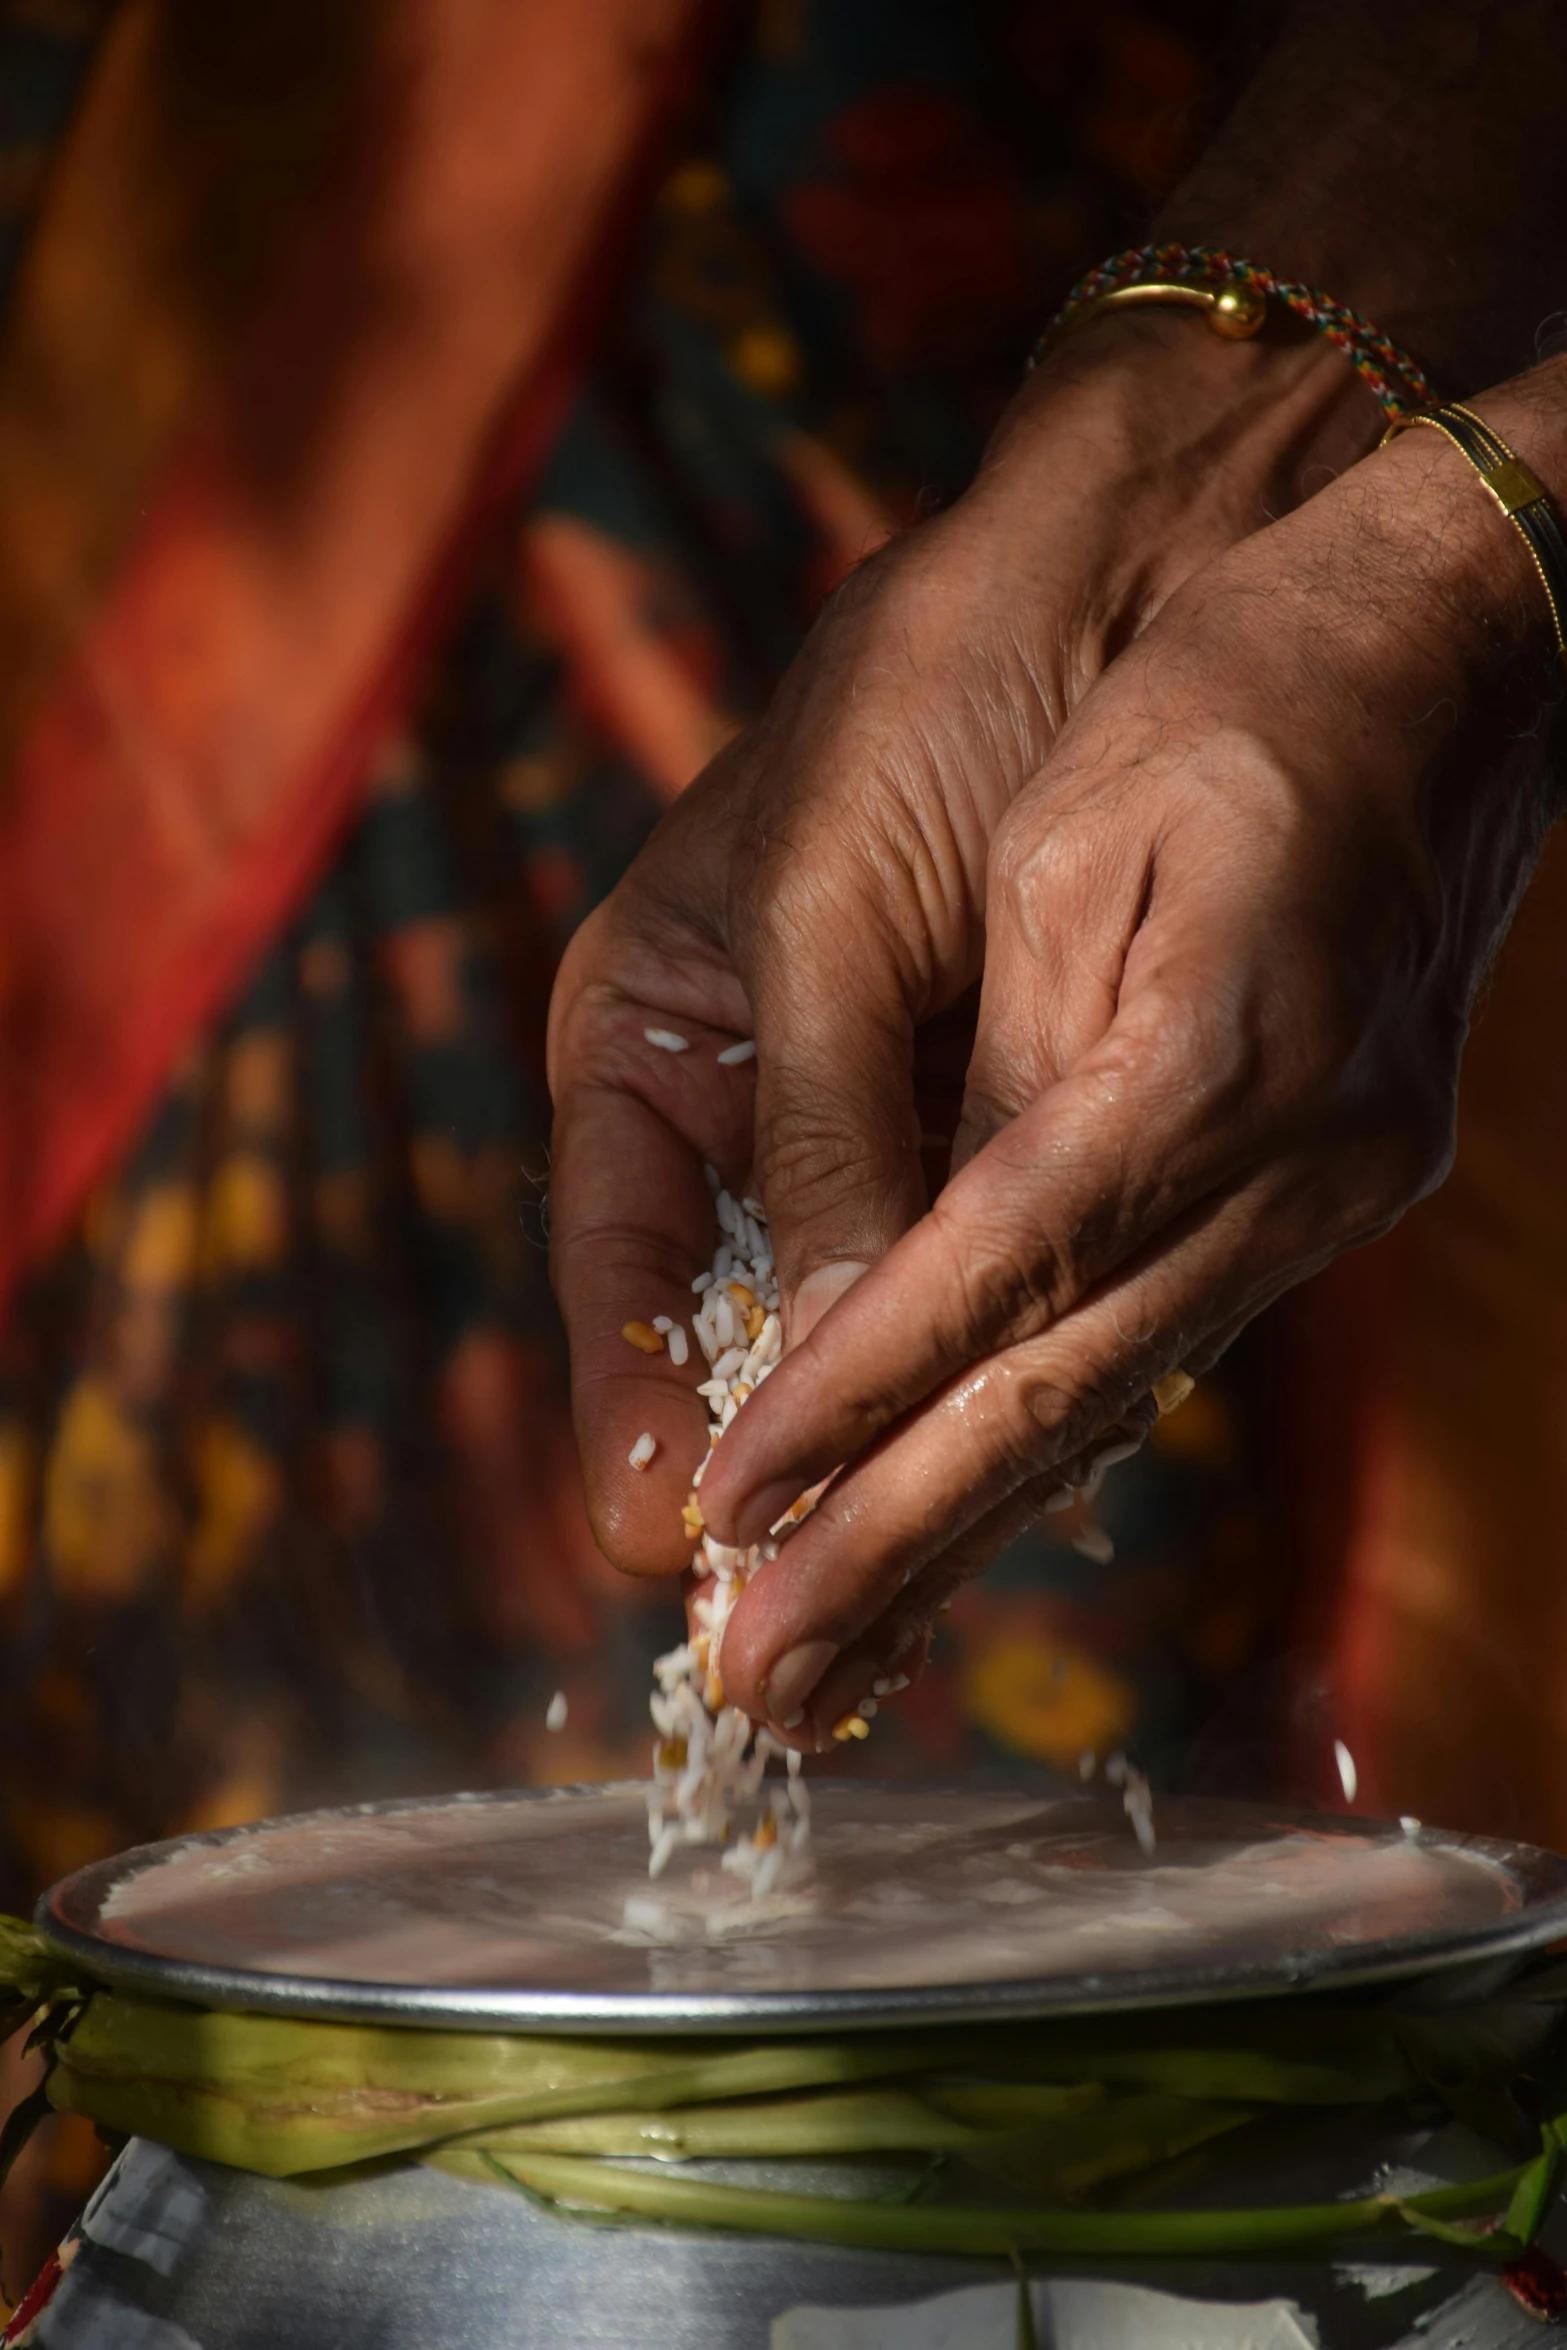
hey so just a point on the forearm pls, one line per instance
(1409, 156)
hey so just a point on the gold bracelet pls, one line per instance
(1235, 295)
(1517, 490)
(1235, 312)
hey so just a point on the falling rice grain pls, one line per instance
(709, 1760)
(1348, 1776)
(555, 1718)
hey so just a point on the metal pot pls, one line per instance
(181, 2255)
(932, 1905)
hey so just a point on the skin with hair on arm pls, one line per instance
(1227, 813)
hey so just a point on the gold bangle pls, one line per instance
(1237, 296)
(1235, 312)
(1516, 489)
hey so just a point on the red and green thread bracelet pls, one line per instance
(1235, 295)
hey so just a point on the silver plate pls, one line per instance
(930, 1905)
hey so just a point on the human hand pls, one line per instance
(1235, 929)
(822, 887)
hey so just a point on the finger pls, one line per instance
(1151, 1121)
(1026, 1413)
(632, 1218)
(892, 1652)
(837, 1131)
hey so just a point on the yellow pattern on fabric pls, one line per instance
(1046, 1701)
(160, 1247)
(107, 1517)
(246, 1220)
(239, 1488)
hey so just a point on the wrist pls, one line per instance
(1486, 588)
(1179, 442)
(1392, 643)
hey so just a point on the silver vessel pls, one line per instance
(950, 1905)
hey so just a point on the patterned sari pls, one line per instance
(426, 430)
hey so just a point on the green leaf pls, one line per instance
(972, 2230)
(1112, 2140)
(1534, 2192)
(1488, 2243)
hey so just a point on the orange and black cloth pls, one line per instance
(456, 410)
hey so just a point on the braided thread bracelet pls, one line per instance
(1522, 497)
(1235, 295)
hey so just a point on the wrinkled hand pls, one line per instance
(1234, 932)
(1224, 990)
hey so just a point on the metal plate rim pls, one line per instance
(651, 2013)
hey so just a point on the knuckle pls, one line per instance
(1056, 1419)
(1418, 1153)
(1408, 1160)
(1200, 1039)
(1379, 1171)
(1029, 858)
(815, 1158)
(1001, 1290)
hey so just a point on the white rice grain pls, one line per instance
(1139, 1810)
(668, 1040)
(733, 1054)
(711, 1760)
(555, 1714)
(1348, 1776)
(643, 1450)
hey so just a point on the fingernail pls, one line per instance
(793, 1678)
(817, 1292)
